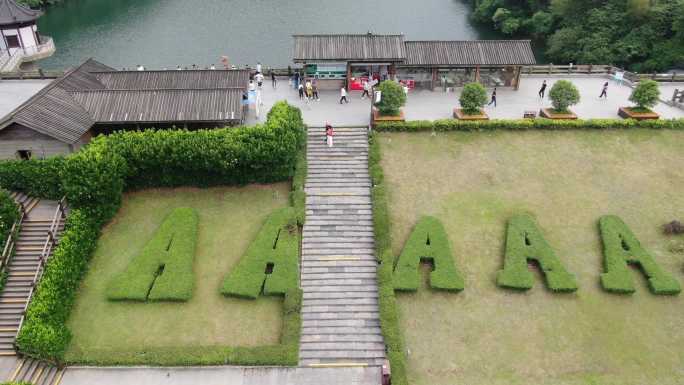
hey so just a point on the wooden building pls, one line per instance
(20, 41)
(422, 64)
(94, 98)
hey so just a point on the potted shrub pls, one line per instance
(472, 99)
(563, 94)
(645, 96)
(392, 98)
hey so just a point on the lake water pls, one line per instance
(167, 33)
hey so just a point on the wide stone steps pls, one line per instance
(36, 372)
(340, 319)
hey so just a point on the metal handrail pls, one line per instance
(11, 238)
(50, 242)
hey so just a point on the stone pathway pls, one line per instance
(340, 321)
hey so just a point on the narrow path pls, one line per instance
(340, 320)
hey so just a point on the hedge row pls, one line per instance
(389, 313)
(163, 270)
(277, 245)
(528, 124)
(297, 195)
(37, 178)
(286, 353)
(44, 333)
(524, 242)
(428, 242)
(94, 179)
(621, 247)
(9, 214)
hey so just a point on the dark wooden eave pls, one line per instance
(468, 53)
(12, 13)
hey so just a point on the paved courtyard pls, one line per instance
(429, 105)
(15, 92)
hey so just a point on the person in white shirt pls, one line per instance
(258, 69)
(259, 79)
(212, 67)
(140, 68)
(251, 85)
(343, 95)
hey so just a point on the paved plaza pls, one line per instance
(430, 105)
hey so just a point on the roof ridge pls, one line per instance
(153, 89)
(470, 41)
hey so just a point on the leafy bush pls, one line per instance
(392, 99)
(473, 98)
(297, 195)
(9, 214)
(389, 315)
(621, 247)
(528, 124)
(163, 270)
(428, 242)
(44, 333)
(277, 245)
(645, 95)
(563, 94)
(37, 178)
(524, 242)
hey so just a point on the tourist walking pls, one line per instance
(296, 80)
(542, 90)
(604, 91)
(343, 95)
(493, 101)
(300, 88)
(259, 77)
(315, 93)
(274, 82)
(329, 133)
(258, 67)
(309, 89)
(366, 88)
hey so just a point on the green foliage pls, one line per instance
(563, 94)
(473, 98)
(646, 94)
(16, 383)
(297, 195)
(276, 244)
(163, 269)
(44, 333)
(621, 247)
(393, 98)
(37, 178)
(528, 124)
(525, 242)
(428, 242)
(9, 214)
(286, 353)
(389, 314)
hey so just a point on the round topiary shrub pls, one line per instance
(645, 95)
(392, 98)
(473, 98)
(563, 94)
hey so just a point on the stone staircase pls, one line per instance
(36, 372)
(28, 202)
(340, 320)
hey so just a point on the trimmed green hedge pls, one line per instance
(528, 124)
(389, 314)
(37, 178)
(9, 214)
(297, 195)
(621, 247)
(427, 242)
(524, 242)
(44, 333)
(276, 244)
(94, 179)
(163, 270)
(286, 353)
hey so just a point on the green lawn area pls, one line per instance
(485, 335)
(229, 219)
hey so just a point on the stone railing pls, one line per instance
(12, 59)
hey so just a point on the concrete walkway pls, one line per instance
(429, 105)
(340, 321)
(221, 375)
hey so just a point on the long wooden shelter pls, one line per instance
(94, 98)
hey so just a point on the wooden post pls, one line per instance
(477, 74)
(434, 77)
(348, 76)
(518, 70)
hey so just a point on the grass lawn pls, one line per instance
(229, 219)
(473, 182)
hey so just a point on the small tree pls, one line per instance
(563, 94)
(473, 98)
(645, 95)
(392, 98)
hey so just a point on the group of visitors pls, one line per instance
(604, 90)
(308, 91)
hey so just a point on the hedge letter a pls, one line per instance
(428, 242)
(524, 241)
(621, 247)
(271, 263)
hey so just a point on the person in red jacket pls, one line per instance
(329, 133)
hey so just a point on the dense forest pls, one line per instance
(641, 35)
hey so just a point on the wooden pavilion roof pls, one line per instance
(365, 47)
(469, 53)
(13, 13)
